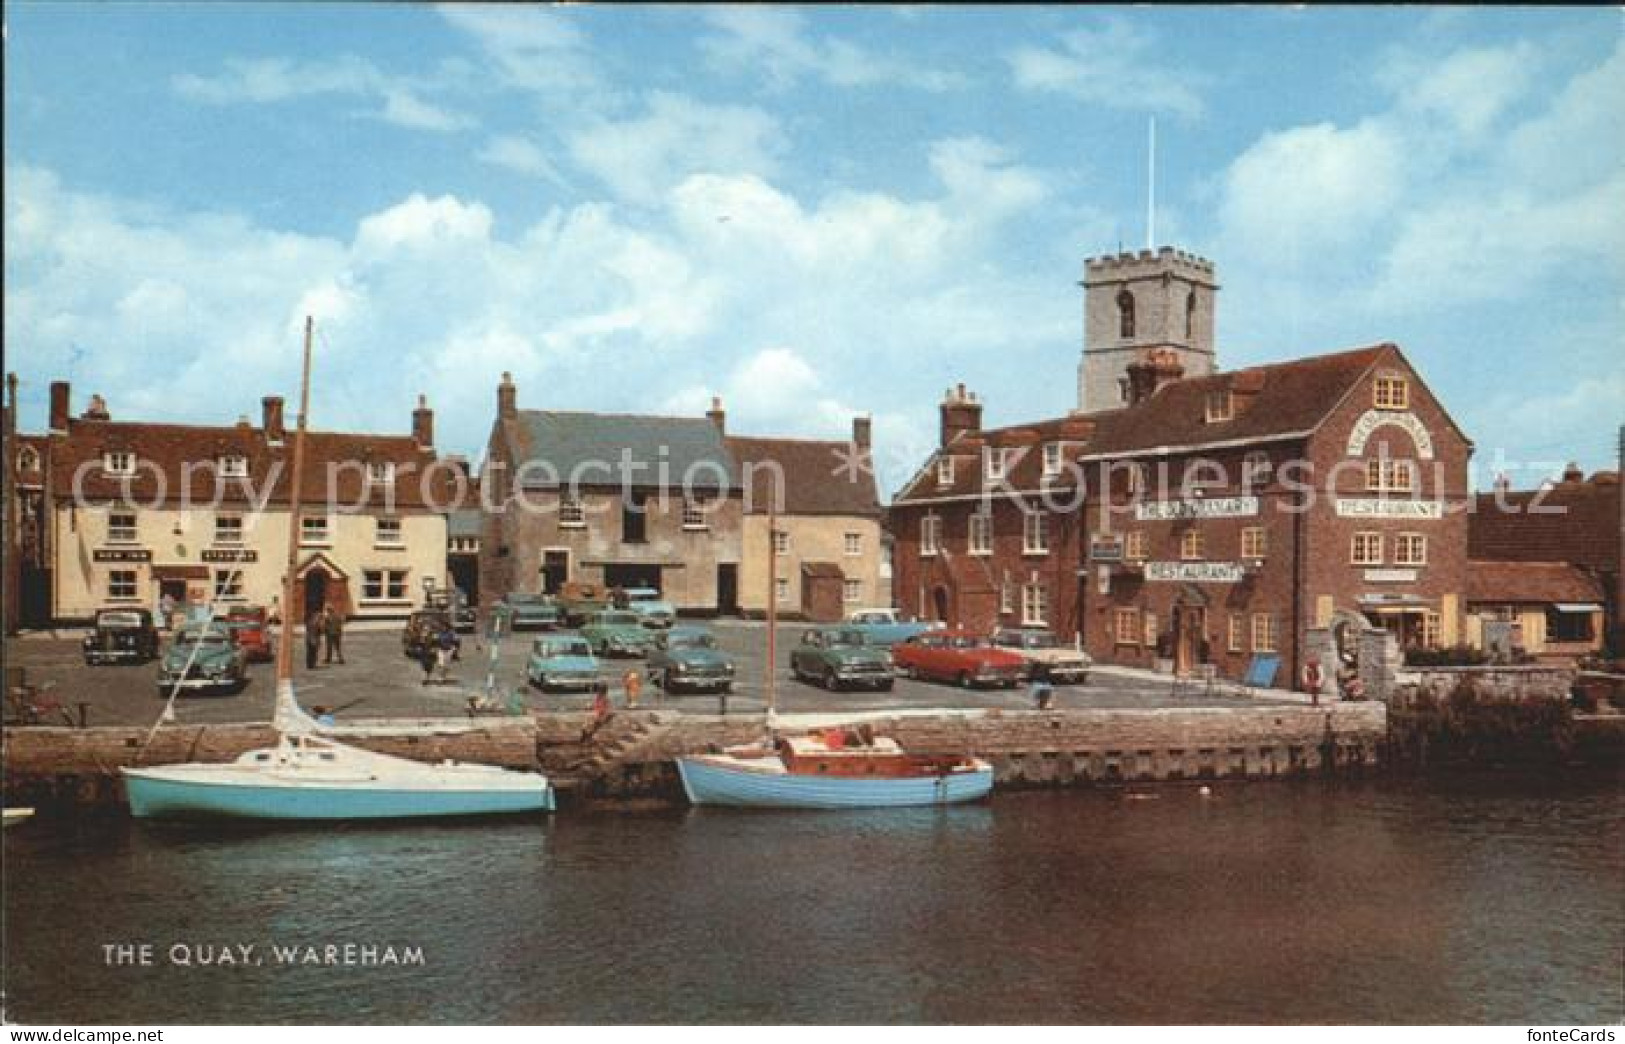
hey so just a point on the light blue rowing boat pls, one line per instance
(807, 772)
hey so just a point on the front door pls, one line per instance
(1188, 629)
(939, 604)
(315, 590)
(728, 588)
(555, 571)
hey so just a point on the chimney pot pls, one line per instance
(96, 409)
(507, 396)
(423, 424)
(271, 418)
(717, 415)
(862, 432)
(961, 415)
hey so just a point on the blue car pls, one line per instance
(561, 661)
(687, 659)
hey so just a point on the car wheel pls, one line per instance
(885, 686)
(666, 682)
(964, 679)
(831, 682)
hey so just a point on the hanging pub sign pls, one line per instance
(1106, 547)
(234, 554)
(1215, 507)
(121, 554)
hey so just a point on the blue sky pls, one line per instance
(810, 212)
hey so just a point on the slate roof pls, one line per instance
(593, 447)
(820, 478)
(1271, 401)
(1530, 582)
(178, 452)
(1573, 521)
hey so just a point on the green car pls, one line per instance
(203, 659)
(618, 632)
(836, 657)
(529, 611)
(561, 661)
(687, 658)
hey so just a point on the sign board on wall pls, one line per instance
(1390, 576)
(1106, 547)
(1377, 507)
(1217, 507)
(231, 555)
(1195, 572)
(122, 554)
(1371, 420)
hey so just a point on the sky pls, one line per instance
(810, 212)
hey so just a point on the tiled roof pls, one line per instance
(172, 458)
(1576, 522)
(1271, 401)
(594, 447)
(1530, 582)
(820, 478)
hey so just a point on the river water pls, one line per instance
(1459, 900)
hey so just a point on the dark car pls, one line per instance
(464, 619)
(840, 656)
(203, 658)
(422, 632)
(687, 658)
(121, 636)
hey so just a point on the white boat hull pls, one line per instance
(735, 782)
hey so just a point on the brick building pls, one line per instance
(1569, 534)
(137, 510)
(1209, 519)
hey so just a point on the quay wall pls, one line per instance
(631, 754)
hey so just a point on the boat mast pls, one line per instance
(284, 647)
(772, 599)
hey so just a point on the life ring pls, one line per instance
(1313, 679)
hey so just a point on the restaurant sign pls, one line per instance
(1195, 572)
(1371, 420)
(1377, 507)
(122, 554)
(1390, 576)
(1216, 507)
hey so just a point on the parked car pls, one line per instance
(578, 600)
(203, 658)
(250, 626)
(530, 612)
(454, 602)
(961, 657)
(617, 632)
(561, 661)
(687, 658)
(422, 632)
(121, 636)
(885, 627)
(647, 603)
(839, 656)
(1047, 658)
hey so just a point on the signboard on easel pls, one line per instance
(1261, 671)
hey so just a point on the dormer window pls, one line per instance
(1052, 458)
(381, 473)
(1219, 406)
(234, 465)
(996, 464)
(28, 459)
(1125, 314)
(118, 462)
(945, 471)
(1391, 393)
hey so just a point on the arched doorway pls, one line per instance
(316, 582)
(1190, 629)
(939, 604)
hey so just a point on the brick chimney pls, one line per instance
(271, 418)
(507, 397)
(717, 416)
(1159, 367)
(862, 432)
(1572, 473)
(961, 414)
(59, 407)
(96, 409)
(423, 424)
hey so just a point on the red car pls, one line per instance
(959, 656)
(251, 628)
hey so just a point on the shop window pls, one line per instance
(1570, 626)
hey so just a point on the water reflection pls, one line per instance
(1260, 903)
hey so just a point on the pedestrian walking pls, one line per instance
(445, 646)
(632, 682)
(333, 631)
(313, 639)
(428, 658)
(166, 611)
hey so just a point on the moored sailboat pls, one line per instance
(309, 776)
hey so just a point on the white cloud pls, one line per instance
(775, 42)
(641, 158)
(420, 222)
(1297, 192)
(520, 156)
(1469, 91)
(534, 48)
(1116, 66)
(274, 80)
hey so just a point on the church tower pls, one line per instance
(1134, 303)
